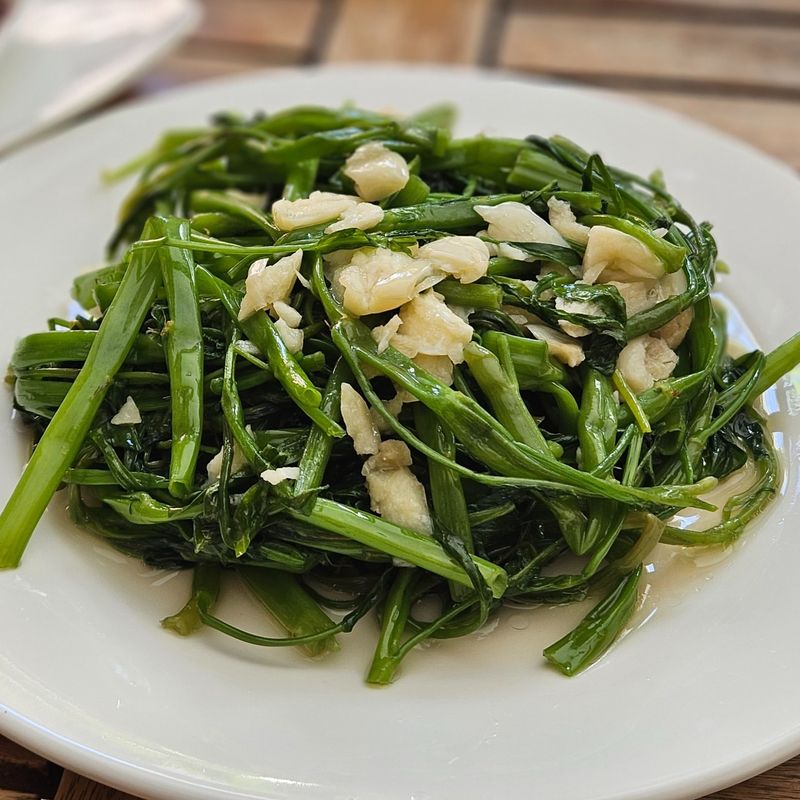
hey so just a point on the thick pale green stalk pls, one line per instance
(446, 491)
(287, 601)
(483, 437)
(48, 347)
(598, 629)
(300, 179)
(184, 350)
(502, 391)
(393, 624)
(784, 358)
(234, 207)
(64, 436)
(320, 444)
(597, 430)
(415, 548)
(205, 590)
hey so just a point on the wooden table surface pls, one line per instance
(734, 64)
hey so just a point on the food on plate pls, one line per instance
(359, 364)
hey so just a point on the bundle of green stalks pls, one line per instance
(361, 366)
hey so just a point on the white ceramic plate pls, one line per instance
(61, 57)
(702, 695)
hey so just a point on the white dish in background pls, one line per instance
(61, 57)
(701, 696)
(8, 22)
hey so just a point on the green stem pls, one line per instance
(293, 608)
(205, 590)
(64, 436)
(393, 624)
(184, 351)
(415, 548)
(597, 630)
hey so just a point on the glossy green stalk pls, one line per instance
(415, 548)
(597, 430)
(450, 512)
(502, 392)
(205, 590)
(597, 631)
(183, 346)
(447, 493)
(64, 435)
(300, 179)
(208, 201)
(234, 414)
(629, 398)
(470, 295)
(393, 625)
(291, 606)
(73, 346)
(782, 360)
(446, 215)
(142, 509)
(482, 436)
(319, 445)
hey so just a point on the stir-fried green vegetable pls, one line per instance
(360, 365)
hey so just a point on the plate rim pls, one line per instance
(135, 778)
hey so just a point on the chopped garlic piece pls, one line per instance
(338, 258)
(378, 279)
(390, 455)
(291, 316)
(562, 347)
(382, 334)
(674, 331)
(393, 406)
(617, 256)
(638, 295)
(587, 308)
(644, 361)
(292, 337)
(318, 207)
(430, 328)
(462, 312)
(267, 283)
(280, 474)
(643, 295)
(673, 283)
(506, 250)
(238, 462)
(463, 257)
(516, 222)
(440, 367)
(358, 421)
(128, 414)
(376, 171)
(562, 218)
(362, 216)
(521, 315)
(395, 493)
